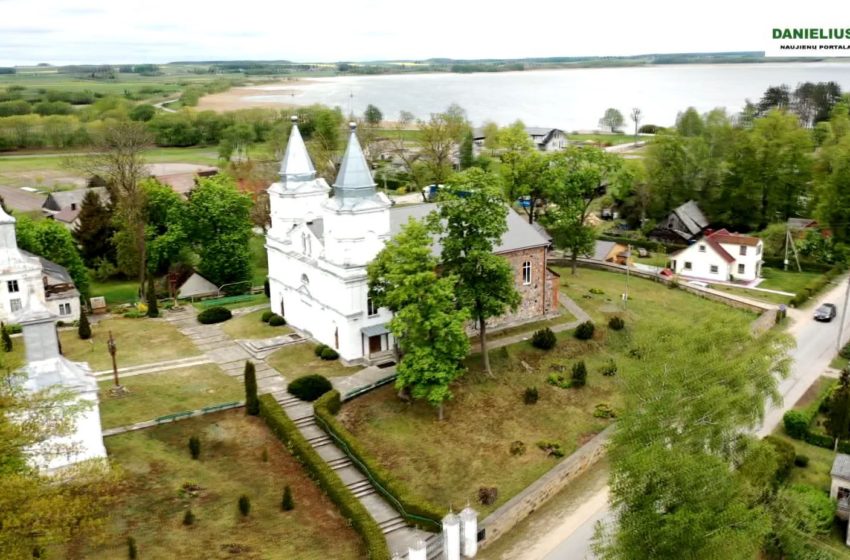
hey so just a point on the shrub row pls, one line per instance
(325, 352)
(816, 285)
(325, 409)
(797, 423)
(281, 425)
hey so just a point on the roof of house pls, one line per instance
(196, 286)
(601, 249)
(67, 215)
(520, 234)
(801, 223)
(723, 253)
(841, 466)
(478, 133)
(724, 236)
(53, 271)
(61, 200)
(692, 217)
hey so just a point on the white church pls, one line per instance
(319, 247)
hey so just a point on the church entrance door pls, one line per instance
(374, 344)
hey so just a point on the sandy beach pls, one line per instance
(242, 97)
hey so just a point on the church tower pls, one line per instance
(357, 218)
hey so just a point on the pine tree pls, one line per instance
(132, 552)
(287, 504)
(150, 296)
(7, 340)
(252, 402)
(94, 232)
(244, 505)
(84, 329)
(188, 518)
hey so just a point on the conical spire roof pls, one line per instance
(296, 164)
(354, 178)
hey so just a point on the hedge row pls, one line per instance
(328, 480)
(807, 265)
(816, 285)
(797, 423)
(326, 408)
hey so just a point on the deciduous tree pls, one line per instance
(612, 119)
(54, 242)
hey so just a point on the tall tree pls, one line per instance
(838, 415)
(636, 116)
(427, 323)
(467, 157)
(117, 156)
(832, 175)
(612, 119)
(54, 242)
(574, 179)
(471, 221)
(688, 399)
(514, 138)
(373, 115)
(437, 139)
(524, 174)
(217, 220)
(165, 231)
(95, 230)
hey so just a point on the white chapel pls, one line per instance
(319, 246)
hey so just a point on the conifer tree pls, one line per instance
(7, 340)
(252, 402)
(84, 329)
(287, 504)
(150, 296)
(94, 231)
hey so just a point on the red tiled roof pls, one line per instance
(711, 243)
(723, 236)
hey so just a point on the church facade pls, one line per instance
(319, 247)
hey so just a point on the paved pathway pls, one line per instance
(154, 367)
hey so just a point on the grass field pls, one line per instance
(239, 456)
(139, 341)
(249, 326)
(116, 292)
(256, 299)
(471, 448)
(612, 139)
(152, 395)
(295, 360)
(259, 260)
(786, 281)
(766, 297)
(53, 160)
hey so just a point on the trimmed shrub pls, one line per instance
(7, 339)
(195, 447)
(552, 448)
(820, 507)
(309, 387)
(585, 330)
(845, 351)
(252, 403)
(487, 495)
(801, 461)
(412, 503)
(267, 314)
(558, 381)
(276, 321)
(610, 368)
(785, 454)
(616, 323)
(329, 354)
(517, 448)
(544, 339)
(84, 329)
(578, 374)
(328, 480)
(319, 349)
(287, 503)
(603, 410)
(188, 518)
(796, 424)
(244, 505)
(132, 551)
(214, 315)
(531, 395)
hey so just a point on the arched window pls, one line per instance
(526, 272)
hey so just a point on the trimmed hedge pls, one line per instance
(214, 315)
(309, 387)
(276, 321)
(797, 423)
(411, 503)
(267, 314)
(327, 479)
(807, 265)
(329, 354)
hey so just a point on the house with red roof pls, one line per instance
(720, 256)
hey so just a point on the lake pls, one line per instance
(571, 99)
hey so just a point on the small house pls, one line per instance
(720, 256)
(840, 487)
(545, 139)
(197, 287)
(684, 224)
(611, 252)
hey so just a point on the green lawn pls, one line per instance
(295, 360)
(152, 395)
(249, 301)
(249, 326)
(564, 317)
(239, 456)
(605, 139)
(786, 281)
(139, 341)
(116, 292)
(259, 260)
(766, 297)
(54, 160)
(471, 448)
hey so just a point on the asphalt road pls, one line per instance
(816, 346)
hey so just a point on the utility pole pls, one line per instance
(113, 349)
(843, 316)
(628, 256)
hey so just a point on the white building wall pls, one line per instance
(701, 263)
(750, 261)
(54, 305)
(30, 284)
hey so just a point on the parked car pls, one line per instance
(825, 313)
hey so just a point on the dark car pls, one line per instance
(825, 313)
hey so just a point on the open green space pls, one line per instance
(152, 395)
(54, 160)
(239, 456)
(471, 449)
(249, 326)
(259, 260)
(233, 302)
(295, 360)
(786, 281)
(11, 361)
(757, 295)
(604, 139)
(116, 292)
(529, 328)
(138, 341)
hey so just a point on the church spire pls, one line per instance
(296, 164)
(354, 178)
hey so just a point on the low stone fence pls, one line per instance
(539, 492)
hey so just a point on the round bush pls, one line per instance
(531, 395)
(277, 321)
(309, 387)
(214, 315)
(544, 339)
(585, 330)
(801, 461)
(267, 314)
(616, 323)
(319, 349)
(329, 353)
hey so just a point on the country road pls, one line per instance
(816, 346)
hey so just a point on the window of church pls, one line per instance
(12, 285)
(526, 272)
(64, 308)
(14, 305)
(371, 308)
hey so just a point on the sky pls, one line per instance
(158, 31)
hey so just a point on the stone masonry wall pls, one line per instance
(533, 295)
(522, 505)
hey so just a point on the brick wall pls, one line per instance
(535, 298)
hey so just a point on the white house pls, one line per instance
(319, 247)
(545, 139)
(47, 369)
(24, 276)
(720, 256)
